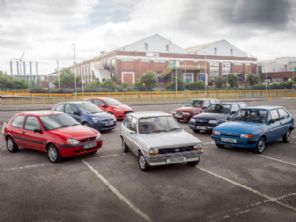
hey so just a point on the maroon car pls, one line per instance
(192, 107)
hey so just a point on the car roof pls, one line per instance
(263, 107)
(145, 114)
(39, 113)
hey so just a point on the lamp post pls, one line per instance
(74, 58)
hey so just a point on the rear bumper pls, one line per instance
(167, 159)
(72, 151)
(241, 143)
(183, 117)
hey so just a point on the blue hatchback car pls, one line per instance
(88, 114)
(254, 127)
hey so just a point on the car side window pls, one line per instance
(32, 123)
(18, 122)
(127, 122)
(133, 125)
(274, 115)
(283, 114)
(59, 108)
(71, 109)
(234, 108)
(98, 102)
(206, 103)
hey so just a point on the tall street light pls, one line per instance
(74, 58)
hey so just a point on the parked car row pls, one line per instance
(156, 138)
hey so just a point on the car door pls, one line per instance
(125, 130)
(33, 133)
(73, 111)
(274, 127)
(133, 134)
(285, 120)
(17, 130)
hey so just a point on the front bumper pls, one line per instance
(67, 150)
(205, 127)
(102, 126)
(240, 143)
(167, 159)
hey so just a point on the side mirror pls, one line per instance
(37, 131)
(271, 121)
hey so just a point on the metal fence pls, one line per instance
(23, 97)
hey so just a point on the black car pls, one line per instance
(213, 116)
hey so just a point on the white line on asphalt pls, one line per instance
(278, 160)
(271, 199)
(117, 193)
(24, 167)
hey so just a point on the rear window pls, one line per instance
(18, 121)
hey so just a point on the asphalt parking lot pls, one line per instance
(227, 185)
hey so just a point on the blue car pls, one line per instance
(88, 114)
(254, 127)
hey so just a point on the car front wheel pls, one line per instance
(260, 145)
(11, 145)
(144, 166)
(287, 137)
(53, 154)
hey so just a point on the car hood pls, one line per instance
(171, 139)
(101, 115)
(124, 107)
(240, 127)
(188, 109)
(78, 132)
(214, 116)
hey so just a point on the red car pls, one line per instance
(112, 106)
(192, 107)
(56, 133)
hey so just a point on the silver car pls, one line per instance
(156, 138)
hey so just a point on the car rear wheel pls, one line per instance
(85, 124)
(53, 154)
(144, 166)
(193, 163)
(287, 137)
(219, 145)
(124, 146)
(11, 145)
(260, 145)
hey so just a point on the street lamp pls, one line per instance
(74, 58)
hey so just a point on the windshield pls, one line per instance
(250, 115)
(112, 102)
(194, 103)
(89, 107)
(219, 108)
(157, 125)
(57, 121)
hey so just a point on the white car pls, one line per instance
(156, 138)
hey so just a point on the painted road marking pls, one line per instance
(24, 167)
(278, 160)
(117, 193)
(271, 199)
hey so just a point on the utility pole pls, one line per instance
(176, 76)
(74, 58)
(58, 71)
(206, 75)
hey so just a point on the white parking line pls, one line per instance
(271, 199)
(117, 193)
(24, 167)
(278, 160)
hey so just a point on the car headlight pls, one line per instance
(213, 121)
(246, 136)
(98, 137)
(215, 132)
(197, 147)
(153, 151)
(72, 141)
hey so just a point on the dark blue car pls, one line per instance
(88, 114)
(254, 127)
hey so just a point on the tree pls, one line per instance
(232, 81)
(252, 79)
(148, 81)
(195, 85)
(9, 82)
(67, 79)
(220, 82)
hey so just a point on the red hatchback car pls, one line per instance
(112, 106)
(56, 133)
(192, 107)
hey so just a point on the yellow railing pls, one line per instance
(22, 97)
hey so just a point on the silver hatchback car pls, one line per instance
(156, 138)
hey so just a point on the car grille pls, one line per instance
(88, 139)
(176, 150)
(230, 135)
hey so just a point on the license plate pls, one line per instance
(109, 123)
(176, 160)
(228, 140)
(90, 145)
(201, 127)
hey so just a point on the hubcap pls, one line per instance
(261, 145)
(52, 154)
(10, 144)
(142, 162)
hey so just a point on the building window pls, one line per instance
(231, 51)
(146, 46)
(188, 77)
(226, 66)
(215, 50)
(167, 48)
(214, 70)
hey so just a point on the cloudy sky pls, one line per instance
(46, 30)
